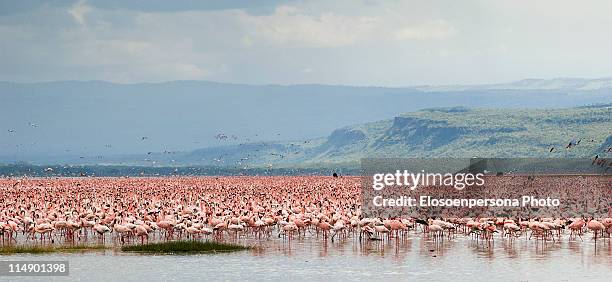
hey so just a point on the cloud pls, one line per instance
(290, 26)
(79, 10)
(437, 29)
(336, 42)
(133, 59)
(294, 27)
(159, 6)
(125, 45)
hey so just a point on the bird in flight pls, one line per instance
(280, 155)
(572, 143)
(221, 136)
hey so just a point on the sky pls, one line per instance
(357, 42)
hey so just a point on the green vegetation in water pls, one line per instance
(184, 247)
(48, 249)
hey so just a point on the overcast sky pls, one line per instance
(384, 43)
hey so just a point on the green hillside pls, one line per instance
(462, 132)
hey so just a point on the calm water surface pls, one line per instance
(412, 259)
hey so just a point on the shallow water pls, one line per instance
(414, 258)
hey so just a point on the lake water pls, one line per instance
(415, 258)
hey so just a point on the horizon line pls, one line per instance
(415, 86)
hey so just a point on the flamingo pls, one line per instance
(596, 227)
(101, 230)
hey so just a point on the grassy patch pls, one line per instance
(48, 249)
(184, 247)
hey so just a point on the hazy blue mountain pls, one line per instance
(566, 84)
(64, 121)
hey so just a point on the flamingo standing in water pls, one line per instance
(142, 232)
(42, 229)
(122, 230)
(101, 230)
(338, 227)
(382, 229)
(236, 227)
(576, 228)
(607, 222)
(288, 229)
(324, 227)
(511, 228)
(596, 227)
(437, 230)
(167, 226)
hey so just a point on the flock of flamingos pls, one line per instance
(140, 210)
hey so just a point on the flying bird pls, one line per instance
(572, 143)
(595, 159)
(221, 136)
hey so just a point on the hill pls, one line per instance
(437, 132)
(462, 132)
(62, 121)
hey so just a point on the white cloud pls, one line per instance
(134, 59)
(79, 10)
(293, 27)
(336, 42)
(437, 29)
